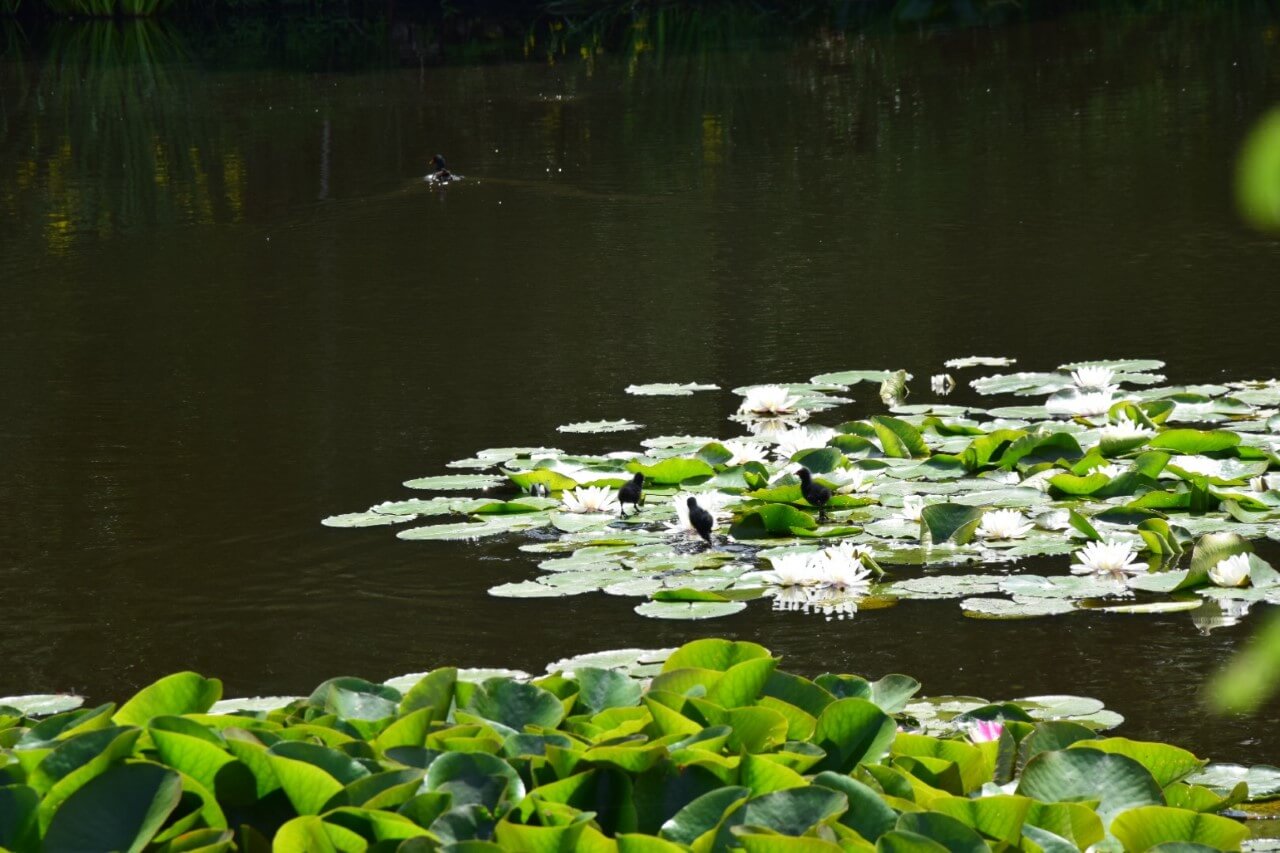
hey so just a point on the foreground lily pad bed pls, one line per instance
(709, 747)
(1114, 476)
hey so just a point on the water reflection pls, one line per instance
(232, 309)
(109, 134)
(1216, 613)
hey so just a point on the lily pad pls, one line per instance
(493, 526)
(689, 609)
(364, 519)
(625, 659)
(944, 586)
(427, 507)
(978, 361)
(1059, 707)
(600, 426)
(669, 389)
(1062, 586)
(1147, 607)
(1263, 779)
(252, 704)
(853, 377)
(1015, 608)
(42, 704)
(455, 482)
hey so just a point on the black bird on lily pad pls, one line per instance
(440, 173)
(632, 492)
(701, 520)
(815, 493)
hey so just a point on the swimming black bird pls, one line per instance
(632, 492)
(441, 173)
(815, 493)
(701, 520)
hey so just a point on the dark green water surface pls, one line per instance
(231, 308)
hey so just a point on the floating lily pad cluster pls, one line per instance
(1131, 494)
(710, 747)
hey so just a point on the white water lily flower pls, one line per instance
(802, 438)
(1003, 524)
(1124, 428)
(1084, 404)
(712, 502)
(794, 569)
(841, 567)
(591, 499)
(1093, 378)
(769, 400)
(744, 452)
(1112, 470)
(912, 506)
(1231, 571)
(1110, 557)
(849, 480)
(942, 384)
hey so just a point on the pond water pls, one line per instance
(232, 308)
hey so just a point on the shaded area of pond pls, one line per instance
(233, 309)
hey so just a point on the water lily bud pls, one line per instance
(1232, 571)
(985, 731)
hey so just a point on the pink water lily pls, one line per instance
(984, 731)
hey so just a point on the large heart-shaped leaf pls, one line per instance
(121, 809)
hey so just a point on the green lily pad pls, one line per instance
(1061, 586)
(944, 586)
(1149, 607)
(1263, 779)
(853, 377)
(1148, 827)
(771, 520)
(492, 526)
(426, 507)
(622, 659)
(364, 519)
(1015, 608)
(689, 609)
(1059, 707)
(672, 471)
(42, 704)
(951, 522)
(978, 361)
(455, 482)
(1115, 781)
(600, 426)
(669, 389)
(121, 809)
(554, 481)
